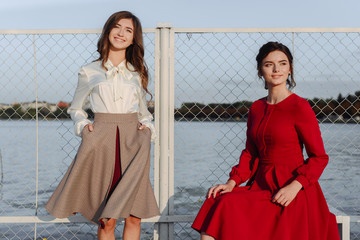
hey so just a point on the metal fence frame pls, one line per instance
(164, 115)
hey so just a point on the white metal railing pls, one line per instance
(165, 58)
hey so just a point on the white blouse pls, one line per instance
(116, 90)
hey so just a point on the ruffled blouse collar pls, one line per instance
(117, 75)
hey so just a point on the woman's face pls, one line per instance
(122, 35)
(275, 69)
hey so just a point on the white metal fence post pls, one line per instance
(165, 121)
(157, 126)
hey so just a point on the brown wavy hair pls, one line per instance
(275, 46)
(134, 53)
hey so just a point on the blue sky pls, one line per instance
(59, 14)
(91, 14)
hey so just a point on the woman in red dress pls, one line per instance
(283, 199)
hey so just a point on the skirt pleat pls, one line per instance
(99, 187)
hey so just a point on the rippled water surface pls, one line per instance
(204, 155)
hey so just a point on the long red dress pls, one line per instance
(273, 157)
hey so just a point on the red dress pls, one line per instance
(272, 159)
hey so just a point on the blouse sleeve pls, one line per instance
(76, 111)
(145, 117)
(309, 134)
(247, 162)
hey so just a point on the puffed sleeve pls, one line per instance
(309, 133)
(76, 111)
(247, 162)
(145, 117)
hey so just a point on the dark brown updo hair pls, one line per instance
(134, 53)
(275, 46)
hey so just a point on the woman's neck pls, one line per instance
(276, 95)
(116, 57)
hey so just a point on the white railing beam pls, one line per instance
(58, 31)
(184, 30)
(81, 219)
(264, 30)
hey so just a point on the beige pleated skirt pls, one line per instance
(86, 186)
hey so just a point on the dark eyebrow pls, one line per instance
(279, 61)
(118, 25)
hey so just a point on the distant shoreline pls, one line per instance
(346, 121)
(340, 110)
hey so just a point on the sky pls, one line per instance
(92, 14)
(89, 14)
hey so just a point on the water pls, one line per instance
(204, 155)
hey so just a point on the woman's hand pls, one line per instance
(90, 126)
(143, 127)
(286, 194)
(221, 188)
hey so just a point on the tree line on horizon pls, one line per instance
(341, 109)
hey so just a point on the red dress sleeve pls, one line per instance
(247, 164)
(309, 134)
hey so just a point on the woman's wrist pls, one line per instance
(297, 184)
(231, 183)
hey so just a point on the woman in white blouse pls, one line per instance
(109, 177)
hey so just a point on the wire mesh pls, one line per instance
(57, 59)
(215, 84)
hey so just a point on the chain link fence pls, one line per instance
(215, 84)
(38, 78)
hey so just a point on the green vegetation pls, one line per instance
(17, 112)
(343, 109)
(213, 111)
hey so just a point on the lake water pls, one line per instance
(204, 155)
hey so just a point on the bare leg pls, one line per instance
(108, 232)
(204, 236)
(132, 228)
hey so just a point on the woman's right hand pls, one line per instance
(221, 188)
(90, 126)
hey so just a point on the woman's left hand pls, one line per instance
(143, 127)
(286, 194)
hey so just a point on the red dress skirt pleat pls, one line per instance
(117, 168)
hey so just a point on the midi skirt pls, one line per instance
(248, 213)
(109, 176)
